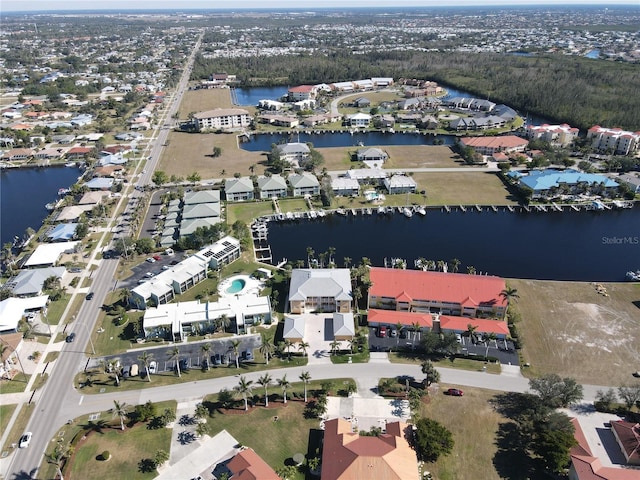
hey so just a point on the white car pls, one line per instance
(25, 440)
(153, 367)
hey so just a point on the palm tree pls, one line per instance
(398, 329)
(322, 256)
(119, 410)
(332, 251)
(244, 388)
(125, 296)
(114, 366)
(334, 347)
(288, 344)
(145, 358)
(353, 342)
(310, 254)
(205, 348)
(471, 329)
(416, 330)
(441, 265)
(235, 346)
(302, 346)
(509, 294)
(432, 375)
(223, 322)
(488, 338)
(284, 384)
(455, 265)
(266, 347)
(58, 456)
(264, 381)
(305, 377)
(347, 261)
(174, 354)
(471, 270)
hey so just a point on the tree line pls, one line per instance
(582, 92)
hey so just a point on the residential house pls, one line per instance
(49, 154)
(17, 155)
(348, 455)
(270, 105)
(631, 180)
(320, 289)
(62, 232)
(78, 153)
(409, 104)
(82, 120)
(295, 153)
(400, 184)
(248, 465)
(304, 184)
(361, 102)
(454, 294)
(477, 123)
(358, 120)
(301, 92)
(222, 119)
(345, 186)
(63, 139)
(294, 329)
(238, 189)
(13, 309)
(491, 145)
(29, 283)
(343, 326)
(371, 154)
(273, 186)
(364, 176)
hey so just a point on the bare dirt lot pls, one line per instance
(572, 330)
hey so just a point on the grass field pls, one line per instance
(19, 426)
(572, 330)
(463, 188)
(459, 363)
(15, 385)
(5, 414)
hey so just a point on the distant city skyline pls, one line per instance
(49, 5)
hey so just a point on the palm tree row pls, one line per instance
(245, 387)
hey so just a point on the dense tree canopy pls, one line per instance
(432, 440)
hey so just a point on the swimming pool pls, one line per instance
(236, 286)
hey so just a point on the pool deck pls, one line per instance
(251, 286)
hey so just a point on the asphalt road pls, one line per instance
(52, 402)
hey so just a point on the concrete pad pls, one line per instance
(510, 370)
(365, 413)
(379, 357)
(202, 460)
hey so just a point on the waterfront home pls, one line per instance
(248, 465)
(304, 184)
(49, 253)
(302, 92)
(388, 456)
(371, 154)
(466, 103)
(491, 145)
(631, 180)
(93, 198)
(238, 189)
(78, 153)
(29, 283)
(9, 361)
(273, 186)
(72, 212)
(400, 184)
(98, 183)
(320, 290)
(222, 119)
(561, 135)
(295, 153)
(17, 155)
(13, 309)
(345, 187)
(288, 121)
(615, 140)
(549, 183)
(62, 232)
(270, 105)
(477, 123)
(49, 154)
(358, 120)
(456, 294)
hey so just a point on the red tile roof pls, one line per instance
(460, 324)
(458, 288)
(628, 435)
(248, 465)
(391, 317)
(347, 455)
(302, 89)
(79, 150)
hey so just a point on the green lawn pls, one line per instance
(459, 363)
(5, 414)
(19, 426)
(18, 384)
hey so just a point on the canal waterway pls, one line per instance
(568, 245)
(24, 192)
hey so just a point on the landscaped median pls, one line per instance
(462, 363)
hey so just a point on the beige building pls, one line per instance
(320, 290)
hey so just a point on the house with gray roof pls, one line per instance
(294, 329)
(295, 153)
(101, 183)
(190, 225)
(400, 184)
(320, 290)
(273, 186)
(343, 326)
(62, 232)
(201, 210)
(345, 186)
(371, 154)
(631, 180)
(29, 283)
(304, 184)
(202, 196)
(238, 189)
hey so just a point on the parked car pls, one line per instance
(90, 295)
(153, 367)
(25, 440)
(247, 355)
(393, 332)
(382, 331)
(151, 260)
(126, 371)
(133, 371)
(459, 338)
(454, 392)
(71, 337)
(157, 258)
(215, 359)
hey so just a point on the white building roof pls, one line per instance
(293, 327)
(320, 282)
(48, 253)
(203, 196)
(343, 324)
(12, 309)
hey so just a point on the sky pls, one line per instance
(36, 5)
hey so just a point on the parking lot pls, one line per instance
(149, 269)
(190, 354)
(503, 350)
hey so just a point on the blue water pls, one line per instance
(582, 246)
(23, 194)
(236, 286)
(593, 54)
(251, 96)
(260, 143)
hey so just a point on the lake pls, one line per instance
(23, 194)
(569, 245)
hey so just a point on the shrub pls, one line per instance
(106, 455)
